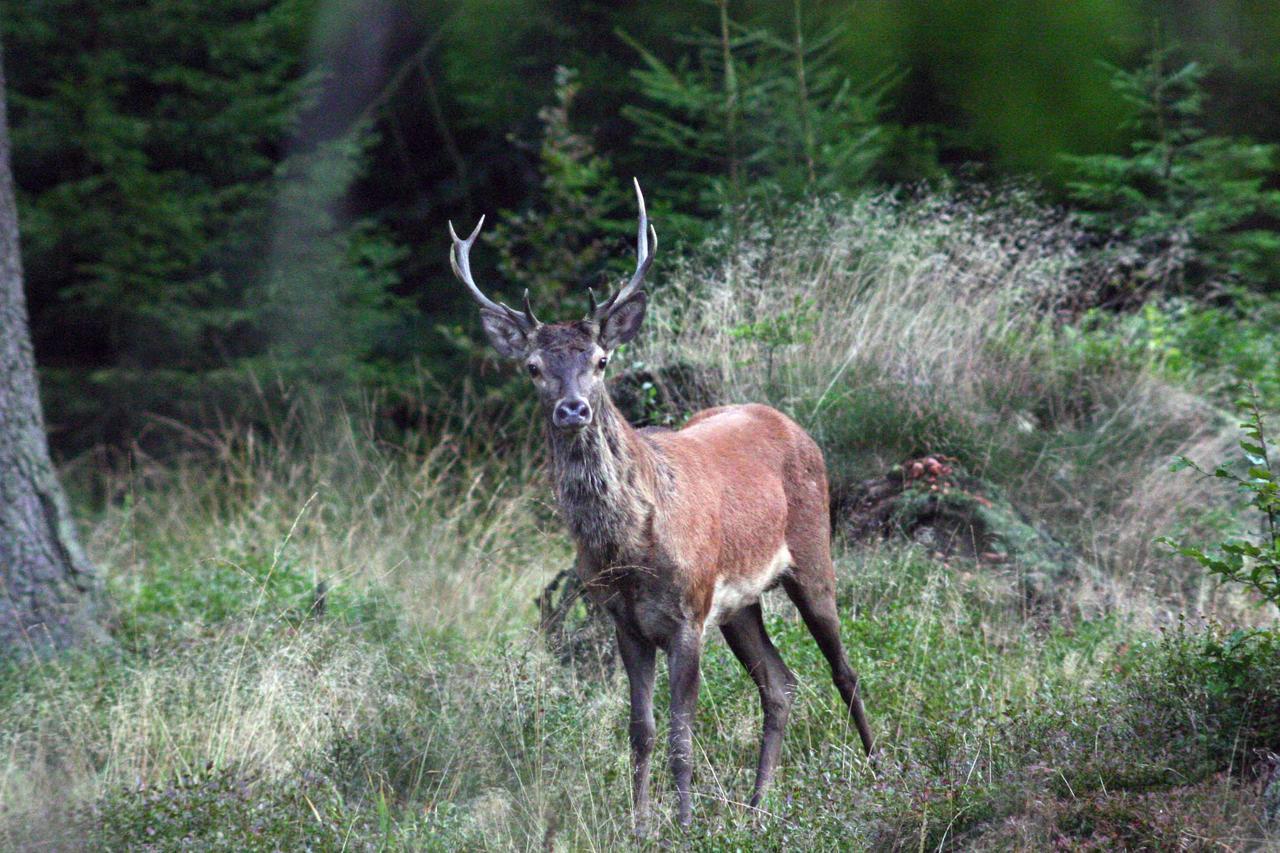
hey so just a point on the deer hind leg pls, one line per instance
(638, 658)
(812, 587)
(749, 641)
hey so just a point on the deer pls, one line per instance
(677, 530)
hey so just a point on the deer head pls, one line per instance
(566, 361)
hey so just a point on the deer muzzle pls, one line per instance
(571, 413)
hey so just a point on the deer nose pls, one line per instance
(573, 412)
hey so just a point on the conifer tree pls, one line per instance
(1188, 199)
(748, 113)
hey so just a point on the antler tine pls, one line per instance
(646, 247)
(460, 261)
(528, 310)
(642, 250)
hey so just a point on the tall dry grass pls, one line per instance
(893, 326)
(430, 517)
(918, 289)
(211, 561)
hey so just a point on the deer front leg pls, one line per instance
(638, 658)
(683, 658)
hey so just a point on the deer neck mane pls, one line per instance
(603, 477)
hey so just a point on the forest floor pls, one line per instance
(1134, 707)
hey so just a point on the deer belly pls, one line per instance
(733, 594)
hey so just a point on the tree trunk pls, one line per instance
(48, 589)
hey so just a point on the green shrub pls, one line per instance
(1253, 561)
(1211, 699)
(209, 593)
(231, 810)
(1206, 346)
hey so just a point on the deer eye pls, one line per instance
(602, 362)
(533, 369)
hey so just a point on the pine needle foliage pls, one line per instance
(747, 114)
(177, 235)
(1195, 199)
(559, 245)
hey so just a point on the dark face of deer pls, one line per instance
(566, 361)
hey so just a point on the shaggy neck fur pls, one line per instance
(601, 475)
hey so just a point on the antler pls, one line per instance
(460, 260)
(646, 246)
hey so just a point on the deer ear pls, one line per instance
(506, 335)
(623, 323)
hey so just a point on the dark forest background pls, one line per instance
(223, 200)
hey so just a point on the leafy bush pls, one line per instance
(1211, 699)
(230, 810)
(204, 597)
(1208, 346)
(1253, 562)
(222, 810)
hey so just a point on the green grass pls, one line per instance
(272, 731)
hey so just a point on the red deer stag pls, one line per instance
(678, 530)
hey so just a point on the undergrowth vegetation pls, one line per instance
(327, 637)
(937, 325)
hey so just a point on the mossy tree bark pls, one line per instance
(48, 590)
